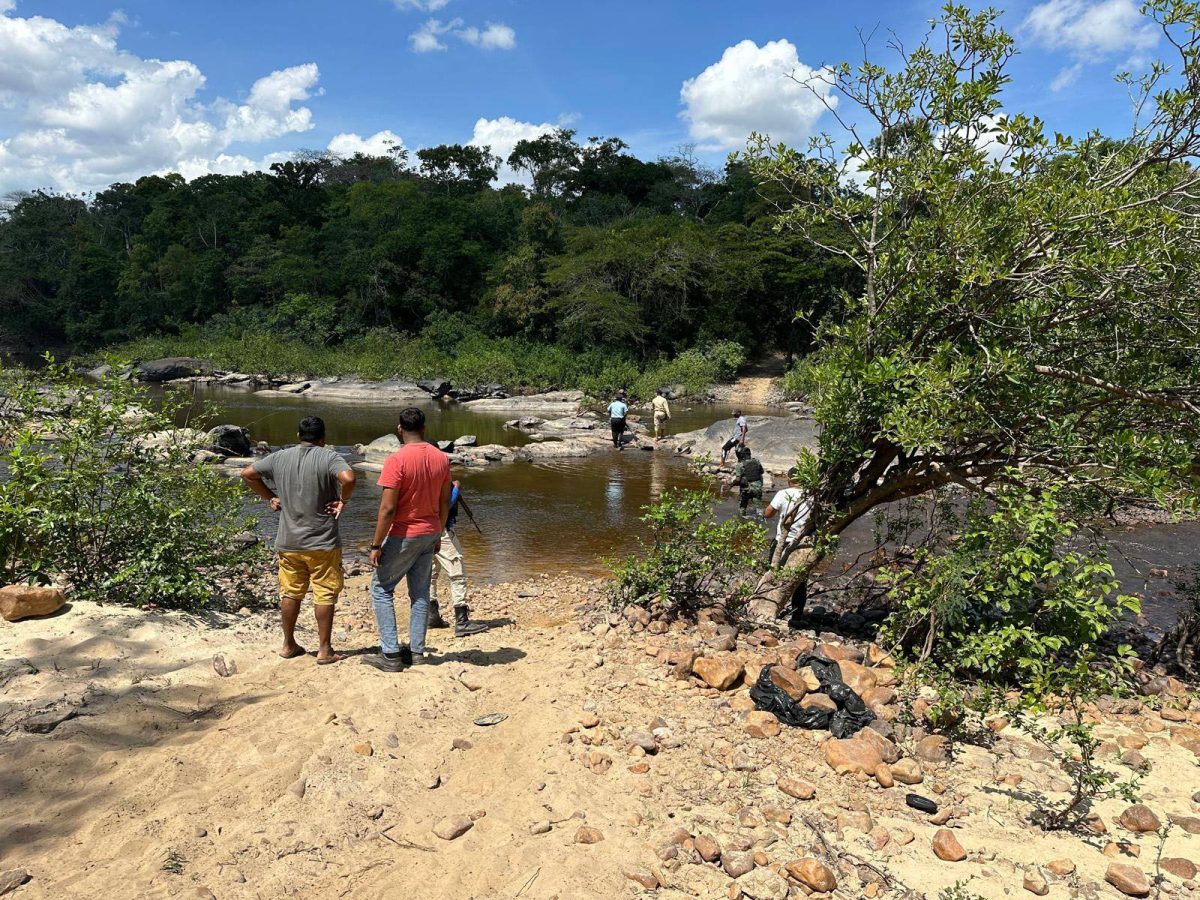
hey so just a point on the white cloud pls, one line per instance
(81, 113)
(429, 37)
(493, 37)
(379, 144)
(423, 5)
(1090, 31)
(749, 89)
(502, 135)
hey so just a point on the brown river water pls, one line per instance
(574, 515)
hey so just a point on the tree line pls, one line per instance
(598, 250)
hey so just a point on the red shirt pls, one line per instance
(418, 472)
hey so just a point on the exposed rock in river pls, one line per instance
(560, 403)
(776, 441)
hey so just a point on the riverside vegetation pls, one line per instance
(1015, 346)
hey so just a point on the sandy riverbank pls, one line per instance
(285, 779)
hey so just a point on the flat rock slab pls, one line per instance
(453, 827)
(558, 403)
(775, 441)
(355, 390)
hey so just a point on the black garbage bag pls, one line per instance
(851, 715)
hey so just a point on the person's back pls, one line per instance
(417, 472)
(660, 405)
(305, 478)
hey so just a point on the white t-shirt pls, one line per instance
(740, 427)
(783, 503)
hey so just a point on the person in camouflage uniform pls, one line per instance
(748, 475)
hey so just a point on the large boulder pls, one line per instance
(356, 390)
(435, 387)
(381, 448)
(776, 441)
(21, 601)
(171, 367)
(721, 672)
(557, 403)
(852, 756)
(230, 440)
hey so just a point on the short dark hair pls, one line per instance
(412, 420)
(743, 452)
(312, 429)
(737, 410)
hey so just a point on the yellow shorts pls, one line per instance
(320, 569)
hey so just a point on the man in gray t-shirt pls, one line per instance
(308, 485)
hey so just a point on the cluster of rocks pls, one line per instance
(783, 810)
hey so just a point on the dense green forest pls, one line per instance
(604, 263)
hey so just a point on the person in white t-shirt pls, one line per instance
(741, 428)
(793, 505)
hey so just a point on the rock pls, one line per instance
(1061, 867)
(466, 440)
(1035, 882)
(1128, 880)
(879, 657)
(737, 863)
(858, 820)
(435, 387)
(789, 681)
(762, 724)
(934, 749)
(840, 652)
(224, 666)
(794, 787)
(21, 601)
(646, 879)
(888, 751)
(542, 827)
(1190, 824)
(818, 701)
(858, 678)
(947, 847)
(461, 744)
(763, 884)
(708, 848)
(883, 775)
(586, 834)
(453, 827)
(851, 756)
(811, 682)
(1139, 819)
(170, 368)
(12, 879)
(230, 440)
(907, 771)
(812, 873)
(645, 740)
(1179, 867)
(364, 749)
(720, 672)
(358, 390)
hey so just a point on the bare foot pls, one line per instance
(329, 659)
(291, 652)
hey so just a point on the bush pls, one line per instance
(688, 560)
(97, 494)
(449, 348)
(1012, 606)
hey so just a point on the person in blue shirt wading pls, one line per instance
(449, 559)
(617, 411)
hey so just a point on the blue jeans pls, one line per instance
(403, 557)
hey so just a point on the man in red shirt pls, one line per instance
(412, 514)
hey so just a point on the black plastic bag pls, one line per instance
(851, 715)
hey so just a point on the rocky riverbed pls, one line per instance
(183, 758)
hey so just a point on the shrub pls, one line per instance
(688, 559)
(99, 493)
(1011, 605)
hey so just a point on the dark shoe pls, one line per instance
(421, 659)
(384, 663)
(435, 616)
(406, 654)
(463, 626)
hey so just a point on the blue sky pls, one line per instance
(92, 92)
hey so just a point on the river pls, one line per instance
(574, 515)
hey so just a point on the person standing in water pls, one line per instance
(740, 429)
(617, 411)
(413, 512)
(308, 485)
(662, 412)
(748, 476)
(449, 559)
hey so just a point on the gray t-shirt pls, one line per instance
(304, 477)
